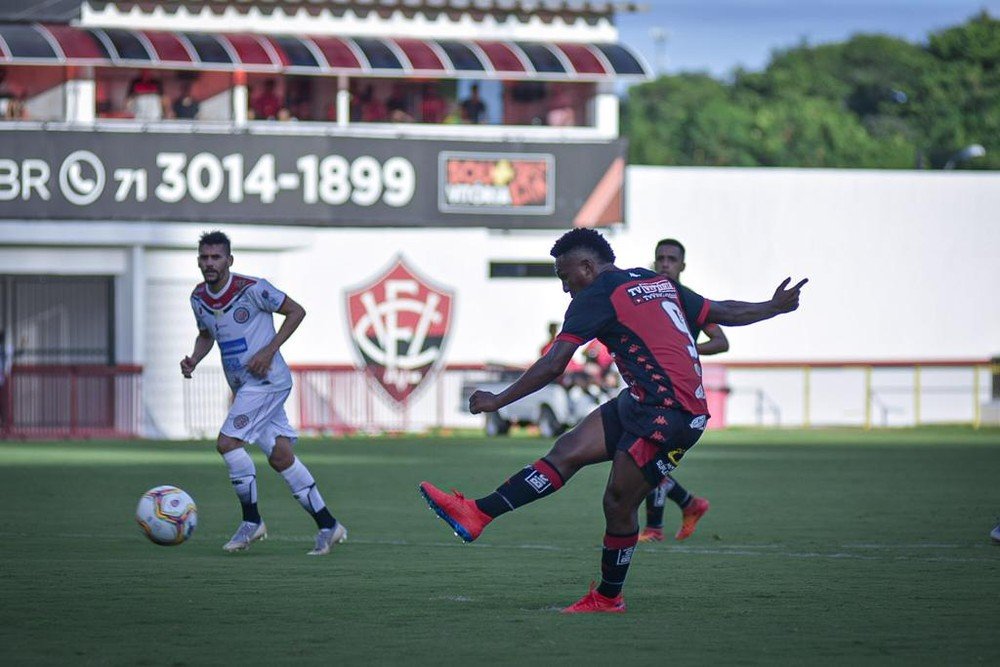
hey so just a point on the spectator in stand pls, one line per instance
(454, 115)
(186, 106)
(397, 106)
(373, 110)
(473, 108)
(432, 107)
(145, 97)
(11, 104)
(561, 114)
(266, 104)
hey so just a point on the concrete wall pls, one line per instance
(901, 264)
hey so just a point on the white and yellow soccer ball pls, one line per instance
(167, 515)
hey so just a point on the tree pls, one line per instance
(872, 101)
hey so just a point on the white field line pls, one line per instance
(854, 551)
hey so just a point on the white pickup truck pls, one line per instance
(552, 408)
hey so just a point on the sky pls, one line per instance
(717, 36)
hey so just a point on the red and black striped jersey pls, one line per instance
(645, 320)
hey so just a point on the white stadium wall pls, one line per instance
(901, 264)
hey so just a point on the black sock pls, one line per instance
(527, 485)
(615, 559)
(679, 495)
(324, 519)
(250, 512)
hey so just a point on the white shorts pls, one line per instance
(258, 417)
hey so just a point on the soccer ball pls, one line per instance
(167, 515)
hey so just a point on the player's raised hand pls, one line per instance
(482, 401)
(787, 300)
(187, 366)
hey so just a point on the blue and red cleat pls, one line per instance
(595, 603)
(462, 514)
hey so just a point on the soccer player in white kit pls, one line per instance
(236, 311)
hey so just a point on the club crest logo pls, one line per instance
(241, 315)
(399, 325)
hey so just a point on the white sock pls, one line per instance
(243, 475)
(303, 487)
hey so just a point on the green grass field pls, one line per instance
(824, 547)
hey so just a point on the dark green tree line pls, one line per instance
(870, 102)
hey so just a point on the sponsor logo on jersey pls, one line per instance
(241, 315)
(521, 183)
(399, 326)
(229, 348)
(643, 292)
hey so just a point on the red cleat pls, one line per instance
(692, 514)
(651, 535)
(595, 603)
(458, 511)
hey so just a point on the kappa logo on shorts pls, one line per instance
(241, 315)
(625, 556)
(241, 421)
(399, 324)
(539, 481)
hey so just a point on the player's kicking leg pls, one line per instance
(582, 446)
(302, 485)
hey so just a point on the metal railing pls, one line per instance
(336, 399)
(860, 393)
(76, 401)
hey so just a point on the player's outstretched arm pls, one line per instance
(202, 346)
(739, 313)
(545, 370)
(294, 313)
(717, 342)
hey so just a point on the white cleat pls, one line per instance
(247, 532)
(326, 538)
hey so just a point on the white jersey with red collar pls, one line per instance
(240, 320)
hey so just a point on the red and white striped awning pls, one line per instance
(48, 44)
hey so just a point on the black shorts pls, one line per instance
(655, 438)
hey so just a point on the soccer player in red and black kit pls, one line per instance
(668, 260)
(642, 318)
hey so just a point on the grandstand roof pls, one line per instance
(316, 54)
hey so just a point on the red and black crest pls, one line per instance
(399, 324)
